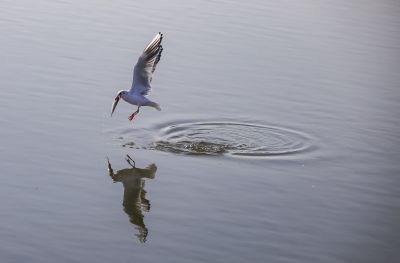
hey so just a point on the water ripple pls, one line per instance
(231, 138)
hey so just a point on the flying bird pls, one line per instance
(142, 76)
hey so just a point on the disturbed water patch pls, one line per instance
(231, 138)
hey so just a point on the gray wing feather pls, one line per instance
(146, 65)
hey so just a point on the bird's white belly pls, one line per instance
(136, 100)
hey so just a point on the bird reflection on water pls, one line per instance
(135, 202)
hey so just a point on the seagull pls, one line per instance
(142, 76)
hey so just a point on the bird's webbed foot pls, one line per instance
(133, 114)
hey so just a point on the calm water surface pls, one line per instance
(278, 140)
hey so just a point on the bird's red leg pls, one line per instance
(133, 114)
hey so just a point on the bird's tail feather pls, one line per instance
(154, 105)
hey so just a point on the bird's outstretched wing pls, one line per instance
(145, 66)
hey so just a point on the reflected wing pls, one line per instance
(145, 66)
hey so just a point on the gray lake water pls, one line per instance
(278, 140)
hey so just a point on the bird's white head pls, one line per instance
(120, 94)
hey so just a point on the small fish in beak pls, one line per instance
(114, 105)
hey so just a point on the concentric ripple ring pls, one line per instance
(231, 138)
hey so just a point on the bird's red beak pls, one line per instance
(114, 105)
